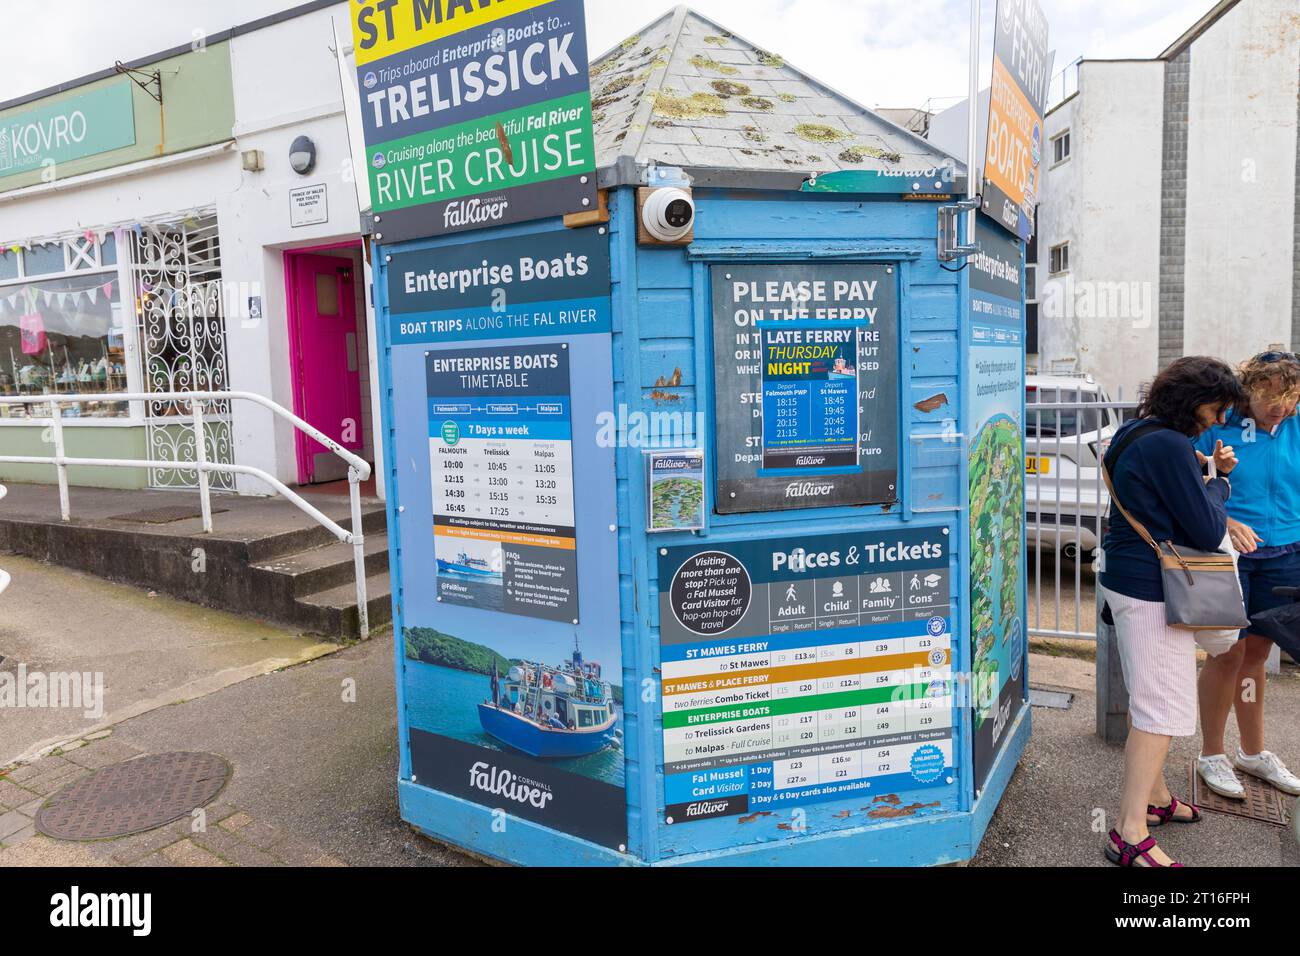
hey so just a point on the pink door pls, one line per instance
(328, 387)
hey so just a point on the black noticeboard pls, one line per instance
(791, 316)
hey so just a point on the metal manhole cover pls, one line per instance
(166, 514)
(1263, 802)
(134, 796)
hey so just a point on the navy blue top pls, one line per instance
(1160, 482)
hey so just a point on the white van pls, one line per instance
(1065, 499)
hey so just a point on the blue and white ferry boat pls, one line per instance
(565, 711)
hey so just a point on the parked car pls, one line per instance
(1065, 498)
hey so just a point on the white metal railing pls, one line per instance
(1066, 508)
(4, 575)
(358, 468)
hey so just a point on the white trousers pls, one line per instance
(1159, 664)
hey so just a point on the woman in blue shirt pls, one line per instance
(1156, 476)
(1264, 523)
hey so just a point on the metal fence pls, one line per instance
(203, 469)
(1066, 506)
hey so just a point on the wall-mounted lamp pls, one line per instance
(302, 155)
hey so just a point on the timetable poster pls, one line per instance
(810, 397)
(859, 300)
(502, 474)
(801, 670)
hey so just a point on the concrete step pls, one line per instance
(265, 558)
(334, 611)
(318, 569)
(265, 549)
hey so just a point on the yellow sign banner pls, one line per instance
(381, 28)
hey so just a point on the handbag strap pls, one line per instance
(1113, 455)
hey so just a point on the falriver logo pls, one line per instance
(503, 783)
(807, 489)
(707, 808)
(474, 212)
(810, 460)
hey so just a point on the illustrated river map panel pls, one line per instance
(805, 669)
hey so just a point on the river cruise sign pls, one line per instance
(475, 113)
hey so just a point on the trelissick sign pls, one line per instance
(475, 113)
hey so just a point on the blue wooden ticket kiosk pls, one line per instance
(707, 549)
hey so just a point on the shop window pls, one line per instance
(82, 253)
(45, 258)
(9, 264)
(108, 250)
(63, 335)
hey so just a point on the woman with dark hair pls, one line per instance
(1156, 476)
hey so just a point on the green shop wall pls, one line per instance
(22, 440)
(198, 109)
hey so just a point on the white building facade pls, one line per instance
(1168, 224)
(156, 236)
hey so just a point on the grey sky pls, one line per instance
(880, 52)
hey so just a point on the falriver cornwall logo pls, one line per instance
(503, 783)
(460, 213)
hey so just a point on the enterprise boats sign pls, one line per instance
(475, 112)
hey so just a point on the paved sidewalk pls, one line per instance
(150, 650)
(1067, 785)
(223, 835)
(314, 756)
(314, 760)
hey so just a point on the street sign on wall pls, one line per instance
(1021, 74)
(473, 114)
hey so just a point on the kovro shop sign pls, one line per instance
(93, 122)
(474, 113)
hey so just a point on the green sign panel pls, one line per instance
(93, 122)
(473, 115)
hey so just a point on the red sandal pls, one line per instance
(1124, 854)
(1165, 815)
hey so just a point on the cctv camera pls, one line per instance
(668, 214)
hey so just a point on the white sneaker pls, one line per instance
(1268, 767)
(1218, 776)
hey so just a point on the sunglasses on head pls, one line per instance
(1277, 357)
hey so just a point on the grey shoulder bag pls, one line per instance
(1202, 591)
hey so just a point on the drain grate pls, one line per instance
(1054, 699)
(165, 515)
(134, 796)
(1263, 802)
